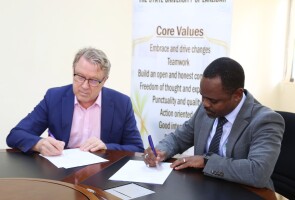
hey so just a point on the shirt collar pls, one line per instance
(97, 102)
(232, 116)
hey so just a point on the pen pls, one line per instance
(50, 134)
(152, 145)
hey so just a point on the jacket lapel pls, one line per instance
(67, 114)
(241, 122)
(204, 131)
(107, 114)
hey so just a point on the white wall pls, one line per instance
(39, 39)
(258, 43)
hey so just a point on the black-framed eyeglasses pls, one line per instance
(92, 82)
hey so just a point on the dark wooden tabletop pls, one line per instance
(15, 164)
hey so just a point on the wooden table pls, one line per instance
(28, 188)
(15, 164)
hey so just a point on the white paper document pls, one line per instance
(137, 171)
(129, 191)
(74, 158)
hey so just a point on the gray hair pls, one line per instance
(94, 56)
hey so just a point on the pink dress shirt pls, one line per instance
(86, 123)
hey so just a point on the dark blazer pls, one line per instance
(55, 112)
(252, 149)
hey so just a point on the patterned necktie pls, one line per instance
(214, 145)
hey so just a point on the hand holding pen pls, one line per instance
(49, 146)
(152, 145)
(153, 156)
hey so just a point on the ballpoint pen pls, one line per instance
(152, 145)
(50, 134)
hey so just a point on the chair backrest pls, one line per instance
(284, 172)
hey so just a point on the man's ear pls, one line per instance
(238, 94)
(106, 78)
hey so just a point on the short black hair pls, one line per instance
(230, 72)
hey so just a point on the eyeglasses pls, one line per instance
(92, 82)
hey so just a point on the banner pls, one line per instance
(173, 42)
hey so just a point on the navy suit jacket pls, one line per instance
(55, 112)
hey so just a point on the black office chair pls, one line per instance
(284, 172)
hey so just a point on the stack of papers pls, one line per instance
(129, 191)
(137, 171)
(74, 158)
